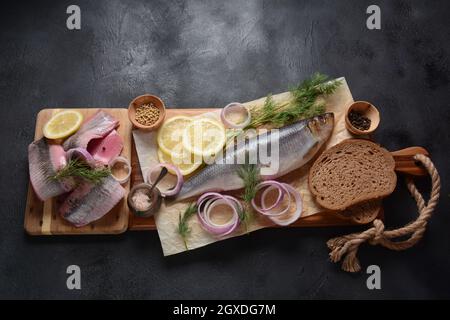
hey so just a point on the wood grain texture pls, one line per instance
(405, 163)
(42, 218)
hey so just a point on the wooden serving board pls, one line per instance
(42, 218)
(321, 219)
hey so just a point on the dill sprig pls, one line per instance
(183, 228)
(249, 173)
(302, 105)
(79, 169)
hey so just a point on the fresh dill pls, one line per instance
(79, 169)
(249, 173)
(302, 105)
(183, 228)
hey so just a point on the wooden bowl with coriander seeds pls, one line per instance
(147, 112)
(362, 118)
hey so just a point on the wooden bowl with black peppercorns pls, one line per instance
(362, 118)
(147, 112)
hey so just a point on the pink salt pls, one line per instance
(141, 200)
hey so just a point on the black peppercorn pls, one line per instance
(359, 121)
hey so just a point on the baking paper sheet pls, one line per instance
(167, 217)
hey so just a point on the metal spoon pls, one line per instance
(162, 174)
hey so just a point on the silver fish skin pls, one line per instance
(98, 126)
(44, 160)
(89, 202)
(298, 143)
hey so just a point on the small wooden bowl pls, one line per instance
(146, 99)
(153, 208)
(368, 110)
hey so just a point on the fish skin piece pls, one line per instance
(89, 202)
(81, 154)
(44, 160)
(107, 148)
(298, 143)
(98, 126)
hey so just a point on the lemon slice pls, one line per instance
(204, 137)
(185, 167)
(63, 124)
(170, 135)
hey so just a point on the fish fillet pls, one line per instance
(44, 160)
(99, 126)
(89, 202)
(81, 154)
(298, 143)
(107, 148)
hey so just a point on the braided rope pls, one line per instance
(347, 246)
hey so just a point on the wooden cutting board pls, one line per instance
(42, 218)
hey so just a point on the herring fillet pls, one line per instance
(98, 126)
(107, 148)
(298, 143)
(89, 202)
(44, 160)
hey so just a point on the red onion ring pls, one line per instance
(204, 213)
(178, 185)
(207, 202)
(281, 194)
(282, 191)
(127, 164)
(280, 220)
(282, 217)
(229, 108)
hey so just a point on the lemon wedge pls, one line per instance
(185, 167)
(63, 124)
(204, 137)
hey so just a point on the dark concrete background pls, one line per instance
(208, 53)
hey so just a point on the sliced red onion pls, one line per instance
(82, 154)
(233, 107)
(282, 217)
(271, 210)
(127, 164)
(170, 191)
(288, 218)
(207, 202)
(281, 193)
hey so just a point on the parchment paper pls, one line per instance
(167, 217)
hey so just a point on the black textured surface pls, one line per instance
(208, 53)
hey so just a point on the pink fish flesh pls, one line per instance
(107, 148)
(98, 126)
(89, 202)
(44, 160)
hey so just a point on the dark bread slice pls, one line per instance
(363, 213)
(352, 172)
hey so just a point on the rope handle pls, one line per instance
(347, 246)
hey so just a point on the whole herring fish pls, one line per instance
(297, 144)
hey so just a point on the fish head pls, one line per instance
(322, 125)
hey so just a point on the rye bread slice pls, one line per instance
(352, 172)
(363, 213)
